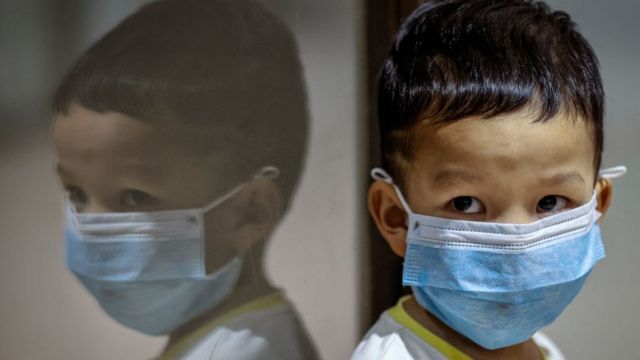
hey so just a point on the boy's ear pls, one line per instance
(604, 190)
(260, 206)
(389, 215)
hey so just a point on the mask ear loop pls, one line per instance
(379, 174)
(267, 172)
(613, 172)
(610, 173)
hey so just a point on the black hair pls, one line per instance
(216, 65)
(452, 59)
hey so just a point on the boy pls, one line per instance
(490, 116)
(168, 135)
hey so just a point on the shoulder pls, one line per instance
(225, 343)
(388, 339)
(267, 333)
(376, 347)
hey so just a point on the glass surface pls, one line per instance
(189, 193)
(216, 155)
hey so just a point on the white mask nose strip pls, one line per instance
(498, 236)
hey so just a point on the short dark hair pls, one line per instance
(457, 58)
(212, 64)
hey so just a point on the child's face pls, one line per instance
(110, 162)
(504, 169)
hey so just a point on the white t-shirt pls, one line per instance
(267, 328)
(396, 336)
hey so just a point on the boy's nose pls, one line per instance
(514, 216)
(96, 207)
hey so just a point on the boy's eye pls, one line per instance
(77, 197)
(551, 203)
(467, 205)
(135, 198)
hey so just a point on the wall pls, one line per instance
(320, 241)
(602, 323)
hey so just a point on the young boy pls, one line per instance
(168, 133)
(490, 116)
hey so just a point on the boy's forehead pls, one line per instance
(87, 138)
(91, 131)
(504, 144)
(107, 152)
(84, 128)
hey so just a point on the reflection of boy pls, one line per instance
(169, 139)
(491, 123)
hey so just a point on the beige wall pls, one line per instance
(603, 322)
(316, 252)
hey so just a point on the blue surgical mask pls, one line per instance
(497, 284)
(147, 270)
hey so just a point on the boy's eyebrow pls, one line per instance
(572, 177)
(140, 168)
(448, 177)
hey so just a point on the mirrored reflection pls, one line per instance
(180, 138)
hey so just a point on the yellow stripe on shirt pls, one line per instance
(399, 314)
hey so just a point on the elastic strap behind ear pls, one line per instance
(267, 172)
(380, 174)
(613, 172)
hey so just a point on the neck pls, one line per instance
(252, 284)
(527, 350)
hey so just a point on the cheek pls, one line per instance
(219, 226)
(219, 243)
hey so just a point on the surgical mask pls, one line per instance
(497, 284)
(147, 270)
